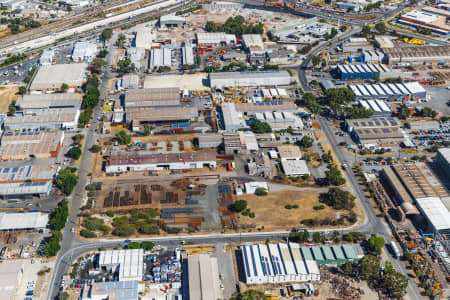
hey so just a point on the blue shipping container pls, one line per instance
(180, 125)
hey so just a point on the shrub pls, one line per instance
(239, 205)
(319, 207)
(260, 191)
(87, 233)
(110, 213)
(252, 215)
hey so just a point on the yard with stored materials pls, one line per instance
(283, 210)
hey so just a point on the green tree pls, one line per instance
(381, 27)
(74, 152)
(260, 191)
(239, 205)
(98, 64)
(365, 30)
(11, 110)
(318, 237)
(347, 268)
(334, 176)
(306, 142)
(124, 65)
(102, 53)
(66, 180)
(299, 237)
(146, 130)
(52, 246)
(92, 223)
(316, 60)
(260, 127)
(107, 34)
(336, 97)
(96, 148)
(22, 90)
(63, 296)
(59, 217)
(133, 245)
(395, 282)
(64, 87)
(146, 245)
(404, 112)
(87, 233)
(354, 236)
(376, 243)
(339, 199)
(369, 266)
(123, 138)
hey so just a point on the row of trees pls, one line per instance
(357, 112)
(90, 100)
(57, 221)
(235, 26)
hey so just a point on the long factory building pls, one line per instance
(389, 91)
(365, 71)
(278, 263)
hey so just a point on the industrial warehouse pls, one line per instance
(257, 78)
(281, 263)
(36, 102)
(417, 55)
(52, 77)
(365, 71)
(44, 119)
(118, 163)
(25, 145)
(375, 130)
(389, 91)
(26, 181)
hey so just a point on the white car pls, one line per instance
(72, 230)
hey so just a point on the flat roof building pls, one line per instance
(160, 57)
(119, 163)
(435, 212)
(188, 55)
(295, 167)
(143, 38)
(51, 77)
(84, 51)
(289, 152)
(47, 57)
(128, 262)
(129, 81)
(230, 117)
(374, 130)
(24, 145)
(31, 103)
(215, 38)
(135, 98)
(443, 160)
(257, 78)
(23, 221)
(11, 273)
(203, 277)
(44, 119)
(111, 290)
(160, 115)
(262, 107)
(417, 54)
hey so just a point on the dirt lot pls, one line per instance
(188, 81)
(270, 210)
(7, 94)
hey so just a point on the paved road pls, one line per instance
(70, 240)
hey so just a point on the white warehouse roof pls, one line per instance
(435, 211)
(17, 221)
(131, 262)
